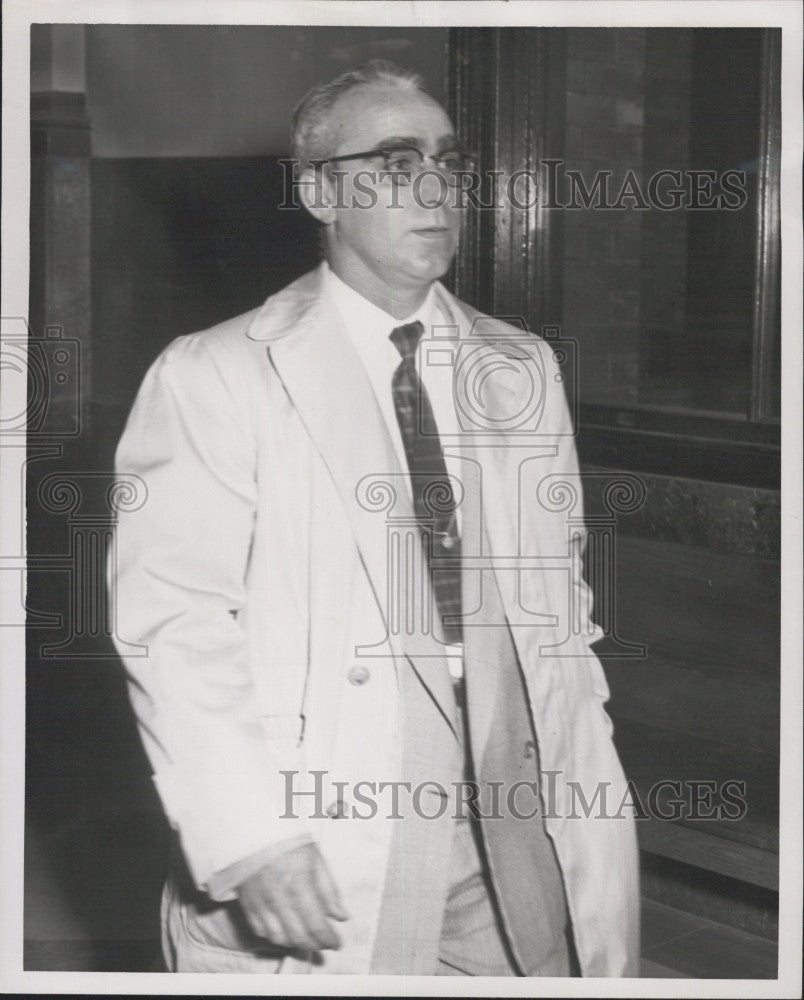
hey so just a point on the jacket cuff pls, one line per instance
(223, 815)
(223, 884)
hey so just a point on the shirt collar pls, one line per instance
(369, 326)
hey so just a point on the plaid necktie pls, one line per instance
(433, 497)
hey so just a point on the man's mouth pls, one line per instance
(433, 232)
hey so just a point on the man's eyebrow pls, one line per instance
(398, 140)
(449, 141)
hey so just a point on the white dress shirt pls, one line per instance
(369, 329)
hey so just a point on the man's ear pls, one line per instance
(317, 193)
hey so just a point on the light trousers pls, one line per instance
(472, 940)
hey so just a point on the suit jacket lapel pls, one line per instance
(480, 637)
(327, 384)
(490, 529)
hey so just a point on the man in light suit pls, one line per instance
(367, 688)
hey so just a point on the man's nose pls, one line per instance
(430, 188)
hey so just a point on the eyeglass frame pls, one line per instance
(386, 151)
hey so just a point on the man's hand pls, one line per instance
(289, 901)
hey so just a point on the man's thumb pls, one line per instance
(329, 892)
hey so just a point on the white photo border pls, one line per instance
(18, 15)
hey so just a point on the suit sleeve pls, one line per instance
(178, 586)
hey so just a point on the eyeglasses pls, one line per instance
(401, 162)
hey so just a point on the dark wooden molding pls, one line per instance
(59, 290)
(704, 426)
(689, 445)
(739, 463)
(506, 93)
(470, 95)
(767, 291)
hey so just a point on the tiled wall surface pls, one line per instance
(658, 290)
(663, 271)
(602, 276)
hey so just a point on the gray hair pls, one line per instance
(309, 131)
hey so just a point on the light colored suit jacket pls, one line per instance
(257, 575)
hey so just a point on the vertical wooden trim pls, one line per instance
(471, 94)
(766, 318)
(59, 290)
(549, 247)
(532, 80)
(507, 96)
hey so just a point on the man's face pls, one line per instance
(404, 247)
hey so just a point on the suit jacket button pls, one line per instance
(529, 750)
(358, 675)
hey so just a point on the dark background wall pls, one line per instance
(226, 90)
(185, 178)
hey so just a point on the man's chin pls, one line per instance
(427, 267)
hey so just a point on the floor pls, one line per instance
(681, 945)
(104, 917)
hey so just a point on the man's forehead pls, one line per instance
(376, 114)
